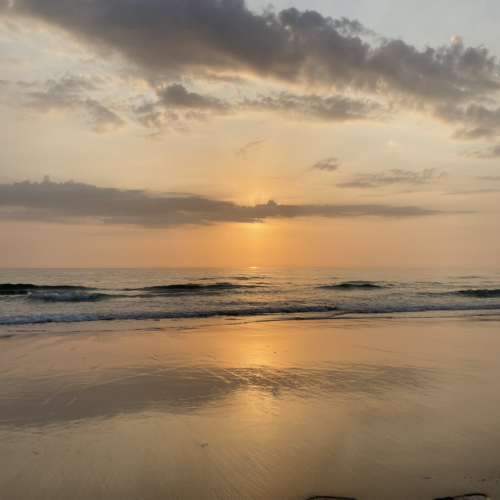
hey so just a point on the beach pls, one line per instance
(248, 250)
(375, 408)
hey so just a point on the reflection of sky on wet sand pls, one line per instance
(179, 390)
(262, 411)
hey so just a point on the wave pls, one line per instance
(248, 312)
(247, 278)
(243, 278)
(25, 288)
(192, 287)
(482, 294)
(353, 285)
(144, 315)
(70, 297)
(423, 308)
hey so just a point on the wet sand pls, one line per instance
(366, 409)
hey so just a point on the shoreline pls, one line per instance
(119, 325)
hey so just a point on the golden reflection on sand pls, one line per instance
(364, 409)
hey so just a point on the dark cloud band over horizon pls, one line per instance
(84, 203)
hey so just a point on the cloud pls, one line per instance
(490, 153)
(13, 27)
(224, 36)
(101, 118)
(176, 96)
(10, 60)
(318, 108)
(70, 93)
(65, 93)
(176, 106)
(393, 176)
(335, 59)
(472, 191)
(251, 146)
(489, 178)
(188, 106)
(330, 164)
(475, 121)
(77, 202)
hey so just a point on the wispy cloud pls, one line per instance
(329, 164)
(475, 121)
(101, 118)
(393, 176)
(471, 191)
(10, 60)
(251, 146)
(83, 203)
(489, 153)
(319, 108)
(70, 93)
(489, 178)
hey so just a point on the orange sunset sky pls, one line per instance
(230, 133)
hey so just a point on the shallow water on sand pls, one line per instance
(367, 409)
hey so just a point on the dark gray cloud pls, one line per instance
(77, 202)
(181, 37)
(390, 177)
(490, 153)
(176, 96)
(330, 164)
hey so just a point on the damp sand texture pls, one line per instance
(365, 409)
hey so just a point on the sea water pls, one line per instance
(90, 296)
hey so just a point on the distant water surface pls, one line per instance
(51, 296)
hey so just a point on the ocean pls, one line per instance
(76, 298)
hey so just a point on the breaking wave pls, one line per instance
(193, 287)
(26, 288)
(353, 285)
(80, 317)
(70, 297)
(481, 294)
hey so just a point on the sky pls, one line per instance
(165, 133)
